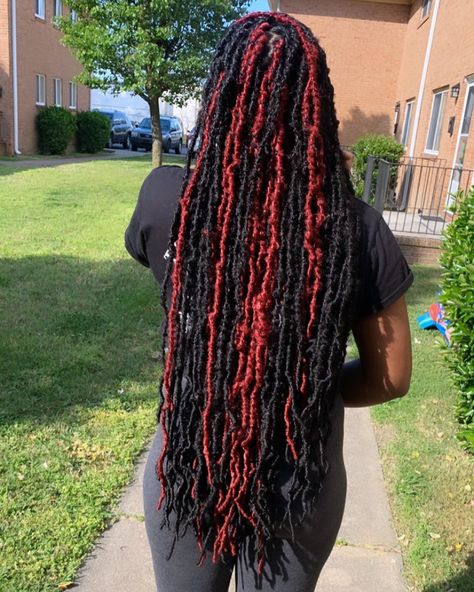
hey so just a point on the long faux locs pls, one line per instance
(258, 290)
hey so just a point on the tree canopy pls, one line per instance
(156, 49)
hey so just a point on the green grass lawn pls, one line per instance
(428, 476)
(79, 326)
(79, 340)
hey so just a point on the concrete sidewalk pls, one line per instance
(106, 154)
(366, 558)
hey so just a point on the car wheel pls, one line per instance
(167, 146)
(134, 147)
(126, 142)
(178, 147)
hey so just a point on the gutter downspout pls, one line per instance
(15, 82)
(424, 74)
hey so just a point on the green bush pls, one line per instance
(381, 146)
(457, 261)
(93, 131)
(55, 126)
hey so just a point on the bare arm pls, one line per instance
(383, 370)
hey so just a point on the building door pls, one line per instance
(461, 146)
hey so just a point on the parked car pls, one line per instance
(171, 134)
(121, 128)
(197, 145)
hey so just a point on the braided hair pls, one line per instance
(258, 290)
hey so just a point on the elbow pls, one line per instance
(398, 389)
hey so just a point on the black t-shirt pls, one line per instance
(384, 273)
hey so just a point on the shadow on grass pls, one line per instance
(74, 332)
(6, 169)
(462, 582)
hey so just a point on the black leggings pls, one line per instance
(290, 566)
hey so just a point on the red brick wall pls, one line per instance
(451, 60)
(363, 42)
(5, 81)
(40, 51)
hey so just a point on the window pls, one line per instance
(58, 7)
(396, 117)
(39, 8)
(436, 120)
(40, 89)
(73, 16)
(425, 8)
(72, 95)
(57, 92)
(407, 122)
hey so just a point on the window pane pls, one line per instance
(466, 124)
(39, 8)
(72, 95)
(406, 124)
(58, 92)
(425, 8)
(434, 132)
(40, 95)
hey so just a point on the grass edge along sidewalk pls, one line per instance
(429, 478)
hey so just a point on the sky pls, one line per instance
(258, 5)
(135, 107)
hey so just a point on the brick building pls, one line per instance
(400, 65)
(35, 70)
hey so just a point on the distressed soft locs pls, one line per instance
(258, 290)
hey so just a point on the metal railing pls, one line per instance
(415, 194)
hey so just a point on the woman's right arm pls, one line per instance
(383, 370)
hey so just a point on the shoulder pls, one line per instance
(165, 176)
(383, 270)
(369, 220)
(160, 189)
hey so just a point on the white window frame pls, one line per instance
(57, 92)
(72, 95)
(434, 149)
(40, 86)
(425, 8)
(407, 122)
(58, 8)
(40, 9)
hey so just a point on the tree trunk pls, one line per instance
(156, 158)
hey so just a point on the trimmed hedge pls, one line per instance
(381, 146)
(457, 261)
(93, 131)
(55, 126)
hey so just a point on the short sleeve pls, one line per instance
(135, 235)
(386, 275)
(146, 237)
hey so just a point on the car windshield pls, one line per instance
(146, 123)
(165, 125)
